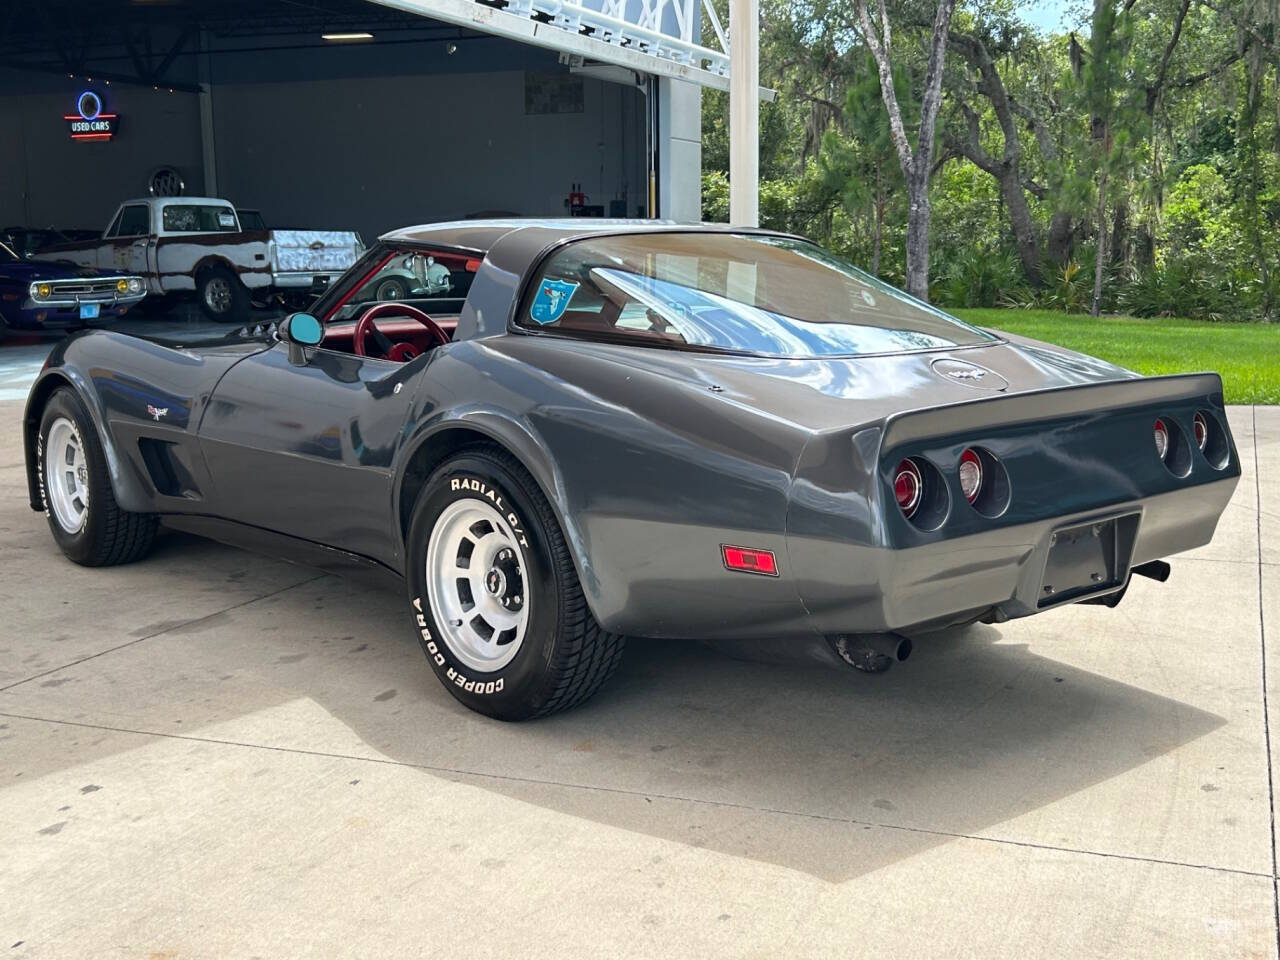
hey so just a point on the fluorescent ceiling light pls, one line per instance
(347, 36)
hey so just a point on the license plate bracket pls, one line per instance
(90, 311)
(1088, 558)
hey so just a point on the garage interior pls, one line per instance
(420, 120)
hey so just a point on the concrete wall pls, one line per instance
(46, 178)
(377, 153)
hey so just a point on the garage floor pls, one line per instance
(211, 754)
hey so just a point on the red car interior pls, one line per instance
(409, 328)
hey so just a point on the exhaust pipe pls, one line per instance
(1157, 570)
(870, 652)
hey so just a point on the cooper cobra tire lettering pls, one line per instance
(564, 656)
(433, 653)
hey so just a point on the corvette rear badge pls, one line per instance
(157, 412)
(969, 374)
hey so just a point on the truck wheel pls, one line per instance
(87, 524)
(222, 296)
(494, 595)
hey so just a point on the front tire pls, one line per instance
(495, 598)
(87, 523)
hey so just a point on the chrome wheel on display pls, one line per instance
(66, 476)
(476, 575)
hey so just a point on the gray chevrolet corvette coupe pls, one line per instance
(562, 433)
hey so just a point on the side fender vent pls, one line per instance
(168, 474)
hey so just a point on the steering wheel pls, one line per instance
(397, 352)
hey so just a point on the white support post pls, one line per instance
(208, 141)
(744, 113)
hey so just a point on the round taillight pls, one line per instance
(908, 487)
(1162, 439)
(1201, 427)
(970, 475)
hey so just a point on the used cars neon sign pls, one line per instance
(89, 122)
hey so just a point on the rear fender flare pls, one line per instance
(522, 442)
(207, 263)
(130, 493)
(250, 277)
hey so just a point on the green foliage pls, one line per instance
(1068, 288)
(1189, 174)
(978, 278)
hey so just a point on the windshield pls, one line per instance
(771, 296)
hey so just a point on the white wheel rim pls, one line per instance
(66, 475)
(477, 584)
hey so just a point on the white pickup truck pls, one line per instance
(196, 244)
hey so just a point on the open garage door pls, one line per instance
(336, 114)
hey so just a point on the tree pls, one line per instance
(1104, 78)
(917, 164)
(862, 168)
(1007, 167)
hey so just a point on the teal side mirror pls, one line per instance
(302, 329)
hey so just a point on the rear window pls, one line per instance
(738, 293)
(198, 218)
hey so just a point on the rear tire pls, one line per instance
(87, 523)
(222, 296)
(544, 651)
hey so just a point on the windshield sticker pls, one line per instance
(552, 300)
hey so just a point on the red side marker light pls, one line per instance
(746, 560)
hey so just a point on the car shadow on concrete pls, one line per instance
(773, 753)
(971, 732)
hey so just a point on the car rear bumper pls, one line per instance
(1000, 573)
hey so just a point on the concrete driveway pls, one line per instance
(212, 754)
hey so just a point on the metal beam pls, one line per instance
(666, 56)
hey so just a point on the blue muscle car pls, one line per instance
(52, 295)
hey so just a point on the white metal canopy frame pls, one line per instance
(658, 37)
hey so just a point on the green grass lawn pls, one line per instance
(1246, 354)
